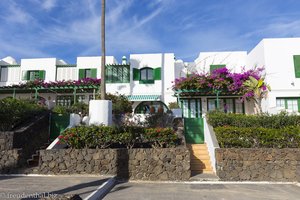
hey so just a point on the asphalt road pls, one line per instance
(29, 187)
(195, 191)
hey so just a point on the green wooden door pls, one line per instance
(58, 124)
(193, 121)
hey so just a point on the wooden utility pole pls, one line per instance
(102, 87)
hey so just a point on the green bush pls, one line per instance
(229, 137)
(173, 105)
(14, 112)
(161, 137)
(120, 104)
(60, 109)
(127, 136)
(217, 119)
(79, 107)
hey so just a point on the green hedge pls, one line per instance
(217, 119)
(14, 112)
(234, 137)
(112, 137)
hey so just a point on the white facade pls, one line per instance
(275, 55)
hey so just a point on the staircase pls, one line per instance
(200, 160)
(34, 160)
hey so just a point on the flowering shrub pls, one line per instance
(127, 136)
(220, 79)
(38, 83)
(161, 137)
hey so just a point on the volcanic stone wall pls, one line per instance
(266, 164)
(141, 164)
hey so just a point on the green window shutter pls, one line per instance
(81, 73)
(297, 65)
(94, 73)
(136, 74)
(298, 105)
(25, 76)
(157, 73)
(213, 67)
(42, 74)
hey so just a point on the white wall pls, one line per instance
(168, 71)
(47, 64)
(276, 55)
(146, 60)
(10, 74)
(234, 60)
(93, 62)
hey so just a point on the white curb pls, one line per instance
(102, 190)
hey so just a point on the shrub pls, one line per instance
(127, 136)
(287, 137)
(14, 112)
(161, 137)
(173, 105)
(60, 110)
(79, 107)
(120, 104)
(217, 119)
(161, 120)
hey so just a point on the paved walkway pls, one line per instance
(20, 187)
(196, 191)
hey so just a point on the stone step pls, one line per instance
(200, 159)
(200, 156)
(194, 147)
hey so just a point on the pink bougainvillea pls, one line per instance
(222, 80)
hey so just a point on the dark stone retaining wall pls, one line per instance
(9, 160)
(6, 140)
(33, 136)
(258, 164)
(18, 145)
(141, 164)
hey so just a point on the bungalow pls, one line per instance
(148, 78)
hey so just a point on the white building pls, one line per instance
(145, 77)
(149, 77)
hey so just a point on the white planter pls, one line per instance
(100, 112)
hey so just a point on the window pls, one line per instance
(297, 65)
(32, 75)
(64, 100)
(227, 105)
(211, 104)
(147, 75)
(117, 73)
(239, 106)
(87, 73)
(191, 108)
(80, 98)
(291, 104)
(213, 67)
(3, 74)
(280, 103)
(147, 107)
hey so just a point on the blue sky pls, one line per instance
(66, 29)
